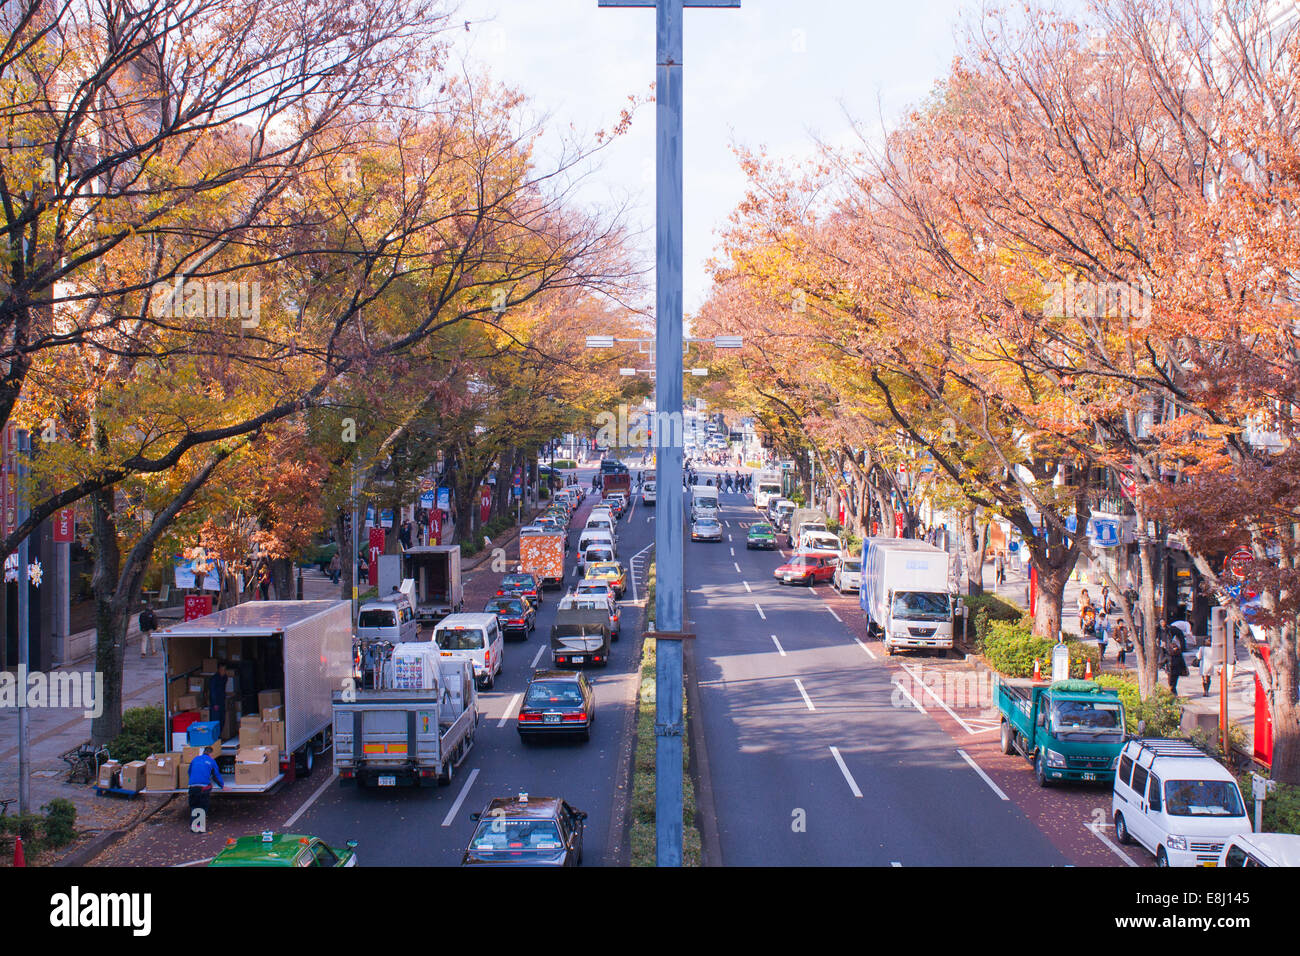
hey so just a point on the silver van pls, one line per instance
(475, 637)
(390, 618)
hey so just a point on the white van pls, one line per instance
(704, 501)
(812, 539)
(602, 522)
(592, 536)
(848, 573)
(1176, 801)
(390, 619)
(1262, 849)
(476, 638)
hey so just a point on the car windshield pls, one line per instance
(600, 569)
(1100, 721)
(499, 834)
(590, 586)
(851, 564)
(599, 554)
(1203, 798)
(761, 529)
(506, 605)
(376, 619)
(459, 638)
(562, 693)
(921, 606)
(518, 580)
(707, 523)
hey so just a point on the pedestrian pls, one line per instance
(217, 697)
(1122, 643)
(336, 568)
(1107, 602)
(999, 569)
(203, 774)
(148, 621)
(1205, 664)
(264, 583)
(1175, 664)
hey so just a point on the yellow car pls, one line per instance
(610, 571)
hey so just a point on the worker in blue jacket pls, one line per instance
(203, 774)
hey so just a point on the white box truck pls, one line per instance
(417, 726)
(436, 572)
(905, 594)
(767, 484)
(301, 650)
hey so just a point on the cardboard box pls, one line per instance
(272, 713)
(161, 771)
(250, 731)
(209, 665)
(198, 686)
(273, 735)
(132, 776)
(187, 702)
(255, 765)
(269, 698)
(108, 772)
(180, 739)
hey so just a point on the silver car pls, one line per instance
(848, 574)
(706, 529)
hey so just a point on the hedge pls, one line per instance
(1161, 710)
(1011, 649)
(985, 608)
(1281, 807)
(141, 737)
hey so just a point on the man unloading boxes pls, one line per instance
(203, 773)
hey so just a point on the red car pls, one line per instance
(809, 567)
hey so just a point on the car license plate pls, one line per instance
(1089, 776)
(388, 781)
(578, 659)
(552, 718)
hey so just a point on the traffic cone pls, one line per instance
(19, 858)
(1038, 669)
(1087, 669)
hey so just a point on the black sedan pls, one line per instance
(517, 585)
(556, 702)
(515, 616)
(526, 831)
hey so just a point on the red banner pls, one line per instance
(484, 504)
(435, 526)
(376, 549)
(900, 523)
(9, 477)
(65, 526)
(197, 605)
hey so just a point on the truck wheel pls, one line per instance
(448, 771)
(1040, 772)
(1121, 830)
(1008, 743)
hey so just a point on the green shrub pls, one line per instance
(1281, 807)
(564, 463)
(1161, 711)
(60, 822)
(143, 734)
(1011, 649)
(26, 825)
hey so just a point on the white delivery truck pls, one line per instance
(767, 484)
(704, 501)
(295, 652)
(418, 725)
(435, 569)
(905, 593)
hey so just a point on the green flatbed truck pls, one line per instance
(1071, 730)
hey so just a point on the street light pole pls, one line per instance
(668, 424)
(24, 629)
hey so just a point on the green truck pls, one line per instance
(1070, 730)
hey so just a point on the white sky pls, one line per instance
(775, 73)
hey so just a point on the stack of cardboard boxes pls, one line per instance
(122, 776)
(261, 740)
(162, 772)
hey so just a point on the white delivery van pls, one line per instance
(600, 522)
(767, 485)
(818, 540)
(704, 501)
(848, 573)
(595, 536)
(1177, 801)
(1262, 849)
(390, 618)
(476, 637)
(904, 590)
(648, 495)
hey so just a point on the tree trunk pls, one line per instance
(975, 544)
(1051, 598)
(345, 559)
(1286, 714)
(110, 621)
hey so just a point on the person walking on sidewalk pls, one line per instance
(148, 622)
(203, 774)
(335, 568)
(1205, 664)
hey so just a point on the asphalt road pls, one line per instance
(815, 758)
(430, 826)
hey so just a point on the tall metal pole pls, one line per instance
(356, 543)
(24, 632)
(668, 427)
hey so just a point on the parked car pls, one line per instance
(705, 528)
(1262, 849)
(556, 702)
(515, 616)
(848, 573)
(808, 567)
(761, 535)
(284, 849)
(1176, 801)
(526, 831)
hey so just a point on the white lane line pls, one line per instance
(737, 566)
(903, 690)
(868, 650)
(464, 792)
(929, 690)
(1095, 830)
(983, 776)
(630, 562)
(760, 611)
(834, 615)
(538, 656)
(778, 645)
(728, 535)
(194, 862)
(733, 551)
(747, 587)
(844, 769)
(514, 702)
(806, 699)
(310, 800)
(895, 863)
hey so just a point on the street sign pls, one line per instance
(376, 549)
(435, 526)
(1238, 562)
(65, 525)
